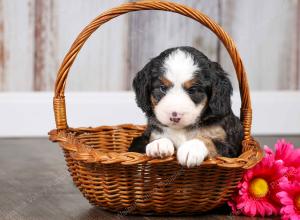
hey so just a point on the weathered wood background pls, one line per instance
(35, 35)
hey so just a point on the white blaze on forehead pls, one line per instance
(179, 66)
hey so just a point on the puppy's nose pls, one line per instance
(174, 114)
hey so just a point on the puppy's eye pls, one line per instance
(163, 89)
(192, 90)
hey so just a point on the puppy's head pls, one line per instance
(181, 87)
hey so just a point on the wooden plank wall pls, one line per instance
(16, 45)
(267, 35)
(35, 35)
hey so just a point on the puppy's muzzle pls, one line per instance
(175, 117)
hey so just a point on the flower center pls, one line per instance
(297, 202)
(259, 187)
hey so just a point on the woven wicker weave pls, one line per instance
(127, 182)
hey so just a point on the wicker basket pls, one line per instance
(127, 182)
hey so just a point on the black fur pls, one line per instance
(219, 102)
(138, 144)
(142, 88)
(212, 83)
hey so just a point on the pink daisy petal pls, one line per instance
(272, 209)
(245, 185)
(268, 150)
(233, 207)
(268, 209)
(285, 151)
(285, 217)
(295, 217)
(261, 209)
(246, 208)
(289, 208)
(293, 159)
(287, 197)
(239, 185)
(242, 205)
(253, 209)
(286, 201)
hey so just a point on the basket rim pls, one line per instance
(86, 153)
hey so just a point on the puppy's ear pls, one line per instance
(142, 88)
(221, 90)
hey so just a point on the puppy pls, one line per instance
(186, 99)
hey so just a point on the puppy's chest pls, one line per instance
(179, 136)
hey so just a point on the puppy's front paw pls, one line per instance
(162, 147)
(192, 153)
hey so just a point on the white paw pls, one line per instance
(162, 147)
(192, 153)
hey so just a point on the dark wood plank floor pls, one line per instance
(35, 184)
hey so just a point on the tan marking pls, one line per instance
(210, 146)
(213, 132)
(189, 84)
(153, 101)
(207, 134)
(165, 81)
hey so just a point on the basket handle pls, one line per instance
(59, 99)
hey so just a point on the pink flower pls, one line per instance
(290, 200)
(292, 173)
(291, 157)
(232, 205)
(258, 186)
(285, 151)
(272, 186)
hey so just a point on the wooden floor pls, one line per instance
(35, 184)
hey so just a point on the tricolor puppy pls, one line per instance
(186, 99)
